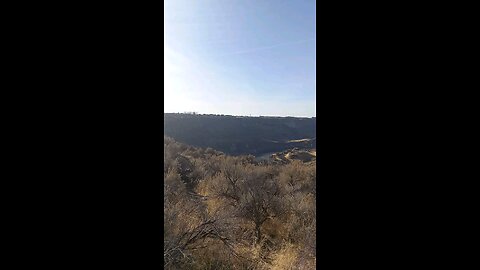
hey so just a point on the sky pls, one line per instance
(240, 57)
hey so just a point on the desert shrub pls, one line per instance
(224, 212)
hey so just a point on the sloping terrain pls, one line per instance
(230, 212)
(236, 135)
(287, 156)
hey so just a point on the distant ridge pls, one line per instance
(242, 135)
(237, 116)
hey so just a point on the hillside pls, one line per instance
(231, 212)
(237, 135)
(290, 155)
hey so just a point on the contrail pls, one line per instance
(269, 47)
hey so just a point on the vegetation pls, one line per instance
(225, 212)
(236, 135)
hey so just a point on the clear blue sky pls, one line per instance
(240, 57)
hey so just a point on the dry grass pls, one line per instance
(285, 259)
(228, 185)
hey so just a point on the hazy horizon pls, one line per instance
(240, 57)
(242, 115)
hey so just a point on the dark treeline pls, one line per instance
(237, 135)
(224, 212)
